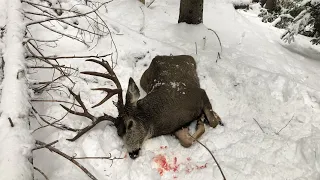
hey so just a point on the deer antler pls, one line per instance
(111, 92)
(112, 76)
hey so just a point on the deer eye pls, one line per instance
(130, 124)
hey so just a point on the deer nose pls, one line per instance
(134, 154)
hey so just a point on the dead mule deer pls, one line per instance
(174, 99)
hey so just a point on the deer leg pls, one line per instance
(184, 137)
(212, 117)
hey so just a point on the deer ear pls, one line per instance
(133, 93)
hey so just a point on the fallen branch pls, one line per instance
(53, 100)
(63, 21)
(224, 178)
(45, 145)
(143, 21)
(11, 123)
(52, 149)
(63, 34)
(68, 17)
(52, 124)
(284, 126)
(106, 157)
(151, 3)
(219, 53)
(42, 173)
(258, 125)
(69, 57)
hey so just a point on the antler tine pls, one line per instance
(112, 76)
(103, 63)
(85, 112)
(111, 92)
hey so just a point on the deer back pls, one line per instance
(171, 71)
(174, 97)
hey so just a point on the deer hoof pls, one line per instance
(186, 144)
(214, 123)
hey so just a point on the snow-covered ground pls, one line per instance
(259, 81)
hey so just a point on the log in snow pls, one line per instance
(15, 142)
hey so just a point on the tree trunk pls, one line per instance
(263, 2)
(271, 5)
(191, 11)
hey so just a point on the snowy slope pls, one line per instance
(258, 77)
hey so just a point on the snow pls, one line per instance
(315, 1)
(15, 142)
(240, 2)
(259, 81)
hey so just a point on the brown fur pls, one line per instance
(174, 99)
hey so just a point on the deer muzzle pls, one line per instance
(134, 154)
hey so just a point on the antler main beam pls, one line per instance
(111, 92)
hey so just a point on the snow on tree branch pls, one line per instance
(15, 142)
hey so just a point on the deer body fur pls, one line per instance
(174, 99)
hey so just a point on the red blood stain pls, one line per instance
(160, 170)
(175, 165)
(202, 167)
(175, 177)
(189, 170)
(163, 164)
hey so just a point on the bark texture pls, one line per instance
(271, 5)
(191, 11)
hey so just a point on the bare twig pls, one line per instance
(285, 125)
(70, 57)
(45, 145)
(57, 120)
(53, 100)
(143, 21)
(46, 67)
(151, 3)
(40, 40)
(42, 173)
(67, 35)
(11, 123)
(52, 149)
(219, 54)
(106, 157)
(46, 84)
(68, 17)
(211, 155)
(196, 47)
(258, 125)
(63, 21)
(46, 61)
(52, 124)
